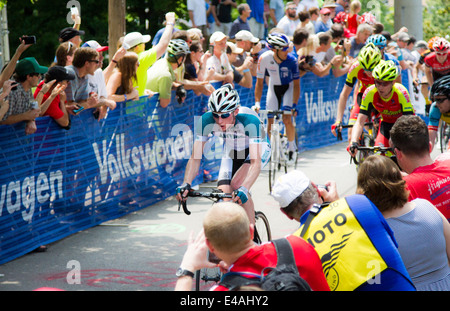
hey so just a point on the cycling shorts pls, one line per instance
(383, 135)
(233, 160)
(280, 97)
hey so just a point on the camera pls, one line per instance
(180, 94)
(29, 39)
(309, 60)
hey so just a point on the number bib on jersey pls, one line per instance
(352, 238)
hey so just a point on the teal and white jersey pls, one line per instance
(248, 129)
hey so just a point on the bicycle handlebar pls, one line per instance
(210, 195)
(374, 149)
(344, 126)
(277, 112)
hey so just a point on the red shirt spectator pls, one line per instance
(265, 255)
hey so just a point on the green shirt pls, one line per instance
(160, 78)
(146, 60)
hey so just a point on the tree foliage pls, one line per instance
(45, 18)
(436, 20)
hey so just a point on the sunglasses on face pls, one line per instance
(440, 100)
(383, 83)
(328, 14)
(441, 53)
(222, 115)
(94, 61)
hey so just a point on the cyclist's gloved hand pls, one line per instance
(336, 130)
(352, 148)
(182, 189)
(242, 193)
(256, 107)
(294, 110)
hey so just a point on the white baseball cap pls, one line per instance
(289, 186)
(216, 36)
(234, 48)
(245, 35)
(134, 38)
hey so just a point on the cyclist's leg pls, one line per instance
(354, 114)
(271, 104)
(383, 134)
(236, 182)
(287, 101)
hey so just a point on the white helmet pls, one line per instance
(177, 47)
(224, 99)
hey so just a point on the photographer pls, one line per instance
(312, 56)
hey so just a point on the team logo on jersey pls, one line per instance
(329, 261)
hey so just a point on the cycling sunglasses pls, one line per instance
(439, 100)
(222, 115)
(383, 83)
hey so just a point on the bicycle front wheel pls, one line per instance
(262, 228)
(274, 160)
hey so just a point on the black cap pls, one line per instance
(68, 33)
(59, 73)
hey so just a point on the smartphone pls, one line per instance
(211, 49)
(79, 109)
(29, 39)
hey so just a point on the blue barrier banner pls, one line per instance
(55, 182)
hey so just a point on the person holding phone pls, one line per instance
(22, 106)
(79, 92)
(51, 96)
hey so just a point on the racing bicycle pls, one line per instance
(262, 234)
(365, 151)
(279, 146)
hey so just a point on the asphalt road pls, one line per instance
(141, 251)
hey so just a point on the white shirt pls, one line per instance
(288, 25)
(97, 83)
(221, 66)
(307, 4)
(198, 8)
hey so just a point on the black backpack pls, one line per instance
(284, 277)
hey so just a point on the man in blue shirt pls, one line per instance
(256, 20)
(241, 23)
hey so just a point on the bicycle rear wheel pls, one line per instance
(262, 228)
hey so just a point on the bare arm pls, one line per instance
(346, 91)
(166, 36)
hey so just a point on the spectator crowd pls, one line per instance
(325, 38)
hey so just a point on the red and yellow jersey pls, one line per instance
(356, 72)
(398, 103)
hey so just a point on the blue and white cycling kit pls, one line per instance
(247, 130)
(281, 76)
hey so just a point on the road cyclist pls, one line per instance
(437, 63)
(440, 112)
(283, 90)
(361, 71)
(390, 99)
(245, 147)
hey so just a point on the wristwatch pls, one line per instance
(184, 272)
